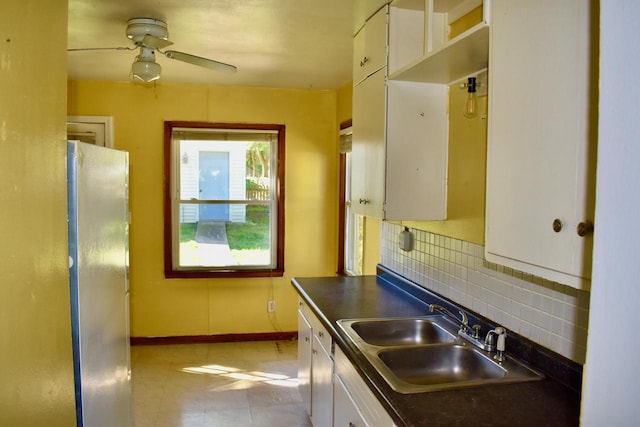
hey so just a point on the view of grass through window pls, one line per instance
(249, 241)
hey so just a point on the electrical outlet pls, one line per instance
(271, 306)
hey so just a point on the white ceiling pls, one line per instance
(274, 43)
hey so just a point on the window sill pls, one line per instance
(205, 274)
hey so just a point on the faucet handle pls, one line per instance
(476, 331)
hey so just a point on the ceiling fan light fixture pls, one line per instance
(147, 71)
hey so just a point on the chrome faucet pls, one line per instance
(490, 340)
(495, 338)
(464, 322)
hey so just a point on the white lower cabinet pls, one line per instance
(321, 385)
(315, 367)
(305, 337)
(331, 389)
(354, 403)
(345, 410)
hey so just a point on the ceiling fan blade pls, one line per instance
(201, 62)
(101, 48)
(154, 42)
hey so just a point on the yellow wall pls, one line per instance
(344, 102)
(36, 363)
(172, 307)
(466, 174)
(465, 22)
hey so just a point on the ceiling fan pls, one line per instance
(151, 35)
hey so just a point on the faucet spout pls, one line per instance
(490, 340)
(464, 322)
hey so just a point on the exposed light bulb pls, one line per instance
(471, 103)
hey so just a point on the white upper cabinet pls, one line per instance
(417, 151)
(368, 146)
(369, 117)
(542, 138)
(370, 47)
(400, 137)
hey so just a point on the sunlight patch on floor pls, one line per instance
(239, 374)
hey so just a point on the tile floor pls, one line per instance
(217, 385)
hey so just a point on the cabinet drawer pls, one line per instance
(319, 331)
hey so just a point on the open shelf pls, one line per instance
(461, 56)
(438, 41)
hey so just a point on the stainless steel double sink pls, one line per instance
(421, 354)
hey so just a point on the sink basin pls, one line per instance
(422, 354)
(440, 365)
(394, 332)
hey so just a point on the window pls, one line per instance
(97, 130)
(352, 233)
(224, 199)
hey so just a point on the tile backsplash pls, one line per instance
(551, 314)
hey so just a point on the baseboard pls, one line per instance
(195, 339)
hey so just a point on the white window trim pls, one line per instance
(106, 121)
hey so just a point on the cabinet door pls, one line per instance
(345, 411)
(542, 136)
(368, 146)
(304, 361)
(416, 151)
(370, 47)
(368, 407)
(321, 386)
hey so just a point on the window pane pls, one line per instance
(213, 170)
(241, 241)
(220, 170)
(354, 243)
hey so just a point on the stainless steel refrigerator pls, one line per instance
(98, 259)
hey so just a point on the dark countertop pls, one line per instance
(538, 403)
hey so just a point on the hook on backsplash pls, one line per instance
(406, 240)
